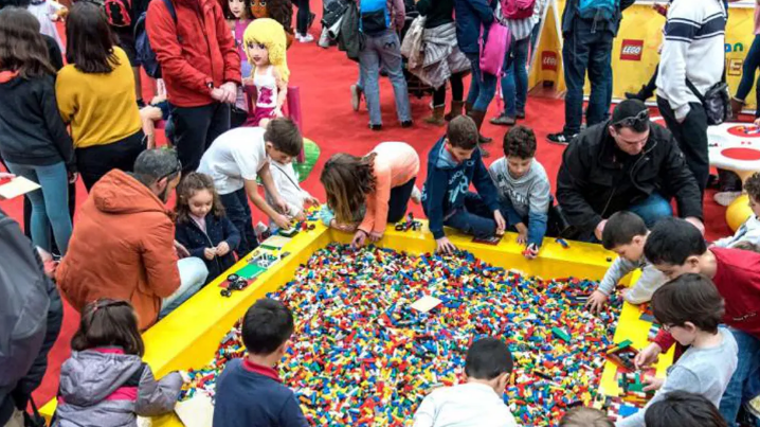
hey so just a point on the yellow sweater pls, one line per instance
(101, 108)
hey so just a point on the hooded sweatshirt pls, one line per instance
(104, 387)
(447, 183)
(122, 248)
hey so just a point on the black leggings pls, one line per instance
(457, 90)
(399, 200)
(302, 19)
(95, 161)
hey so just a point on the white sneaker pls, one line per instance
(725, 198)
(306, 38)
(324, 40)
(416, 195)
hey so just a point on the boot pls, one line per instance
(736, 108)
(478, 117)
(467, 108)
(437, 117)
(456, 110)
(642, 95)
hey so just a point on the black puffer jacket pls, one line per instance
(593, 183)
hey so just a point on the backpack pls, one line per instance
(145, 54)
(117, 12)
(350, 39)
(375, 17)
(517, 9)
(493, 49)
(593, 9)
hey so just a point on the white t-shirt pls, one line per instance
(464, 405)
(235, 156)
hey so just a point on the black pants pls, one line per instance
(302, 19)
(457, 91)
(399, 201)
(239, 212)
(692, 138)
(195, 128)
(96, 161)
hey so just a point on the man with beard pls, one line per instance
(123, 245)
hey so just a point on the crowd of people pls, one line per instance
(221, 78)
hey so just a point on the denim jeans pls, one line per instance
(587, 49)
(751, 64)
(192, 276)
(482, 86)
(745, 383)
(514, 83)
(652, 209)
(385, 49)
(50, 204)
(239, 213)
(471, 219)
(691, 135)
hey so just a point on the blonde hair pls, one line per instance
(270, 33)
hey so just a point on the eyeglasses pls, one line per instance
(642, 116)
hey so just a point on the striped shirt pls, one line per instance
(521, 28)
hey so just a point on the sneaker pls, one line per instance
(560, 138)
(725, 198)
(324, 40)
(376, 127)
(520, 115)
(356, 97)
(416, 195)
(306, 38)
(406, 124)
(503, 120)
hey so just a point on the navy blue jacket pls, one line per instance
(218, 230)
(570, 19)
(249, 395)
(448, 182)
(469, 16)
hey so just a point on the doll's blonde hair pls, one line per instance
(270, 33)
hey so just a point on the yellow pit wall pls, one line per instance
(189, 336)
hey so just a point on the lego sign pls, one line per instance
(631, 50)
(549, 61)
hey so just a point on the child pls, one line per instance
(524, 188)
(683, 409)
(676, 247)
(237, 158)
(454, 163)
(249, 391)
(286, 182)
(328, 219)
(35, 142)
(479, 401)
(750, 230)
(202, 226)
(266, 45)
(626, 234)
(585, 417)
(383, 180)
(690, 308)
(105, 382)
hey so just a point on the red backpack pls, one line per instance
(516, 9)
(118, 12)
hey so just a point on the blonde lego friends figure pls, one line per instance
(265, 46)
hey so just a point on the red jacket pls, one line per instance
(738, 281)
(196, 50)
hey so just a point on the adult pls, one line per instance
(96, 95)
(627, 163)
(123, 246)
(472, 18)
(32, 316)
(749, 68)
(693, 60)
(587, 46)
(201, 68)
(382, 46)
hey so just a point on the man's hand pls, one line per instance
(359, 238)
(600, 229)
(444, 246)
(596, 301)
(223, 249)
(209, 253)
(647, 356)
(697, 223)
(501, 225)
(182, 251)
(653, 383)
(531, 251)
(218, 95)
(522, 233)
(230, 91)
(282, 221)
(374, 236)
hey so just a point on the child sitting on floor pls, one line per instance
(249, 392)
(479, 401)
(453, 163)
(750, 230)
(683, 409)
(286, 182)
(524, 188)
(105, 382)
(585, 417)
(626, 234)
(202, 226)
(690, 308)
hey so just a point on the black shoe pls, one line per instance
(140, 103)
(376, 127)
(407, 124)
(520, 115)
(642, 95)
(560, 138)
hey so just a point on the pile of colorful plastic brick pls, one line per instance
(361, 356)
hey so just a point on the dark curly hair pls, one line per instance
(752, 186)
(191, 184)
(520, 142)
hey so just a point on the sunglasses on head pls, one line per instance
(177, 169)
(642, 116)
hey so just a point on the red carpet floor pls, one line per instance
(324, 77)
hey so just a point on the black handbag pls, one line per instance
(716, 101)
